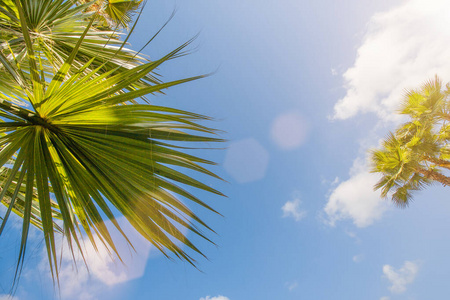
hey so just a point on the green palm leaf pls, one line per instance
(121, 11)
(416, 155)
(53, 29)
(113, 13)
(81, 148)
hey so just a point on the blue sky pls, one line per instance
(302, 89)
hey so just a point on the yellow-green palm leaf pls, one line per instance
(78, 150)
(54, 28)
(417, 154)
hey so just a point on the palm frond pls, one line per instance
(82, 148)
(415, 154)
(53, 28)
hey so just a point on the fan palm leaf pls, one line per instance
(417, 154)
(54, 28)
(80, 151)
(114, 12)
(121, 11)
(400, 169)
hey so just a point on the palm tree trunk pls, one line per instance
(433, 175)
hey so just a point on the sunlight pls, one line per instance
(246, 160)
(289, 131)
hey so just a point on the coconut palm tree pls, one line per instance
(417, 154)
(78, 145)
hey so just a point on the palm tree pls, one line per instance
(54, 28)
(77, 144)
(417, 154)
(114, 13)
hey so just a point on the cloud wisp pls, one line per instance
(358, 258)
(8, 297)
(105, 271)
(215, 298)
(291, 285)
(402, 277)
(292, 209)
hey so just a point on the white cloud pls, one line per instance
(104, 270)
(384, 298)
(215, 298)
(358, 258)
(351, 234)
(402, 48)
(291, 285)
(8, 297)
(355, 198)
(402, 277)
(292, 209)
